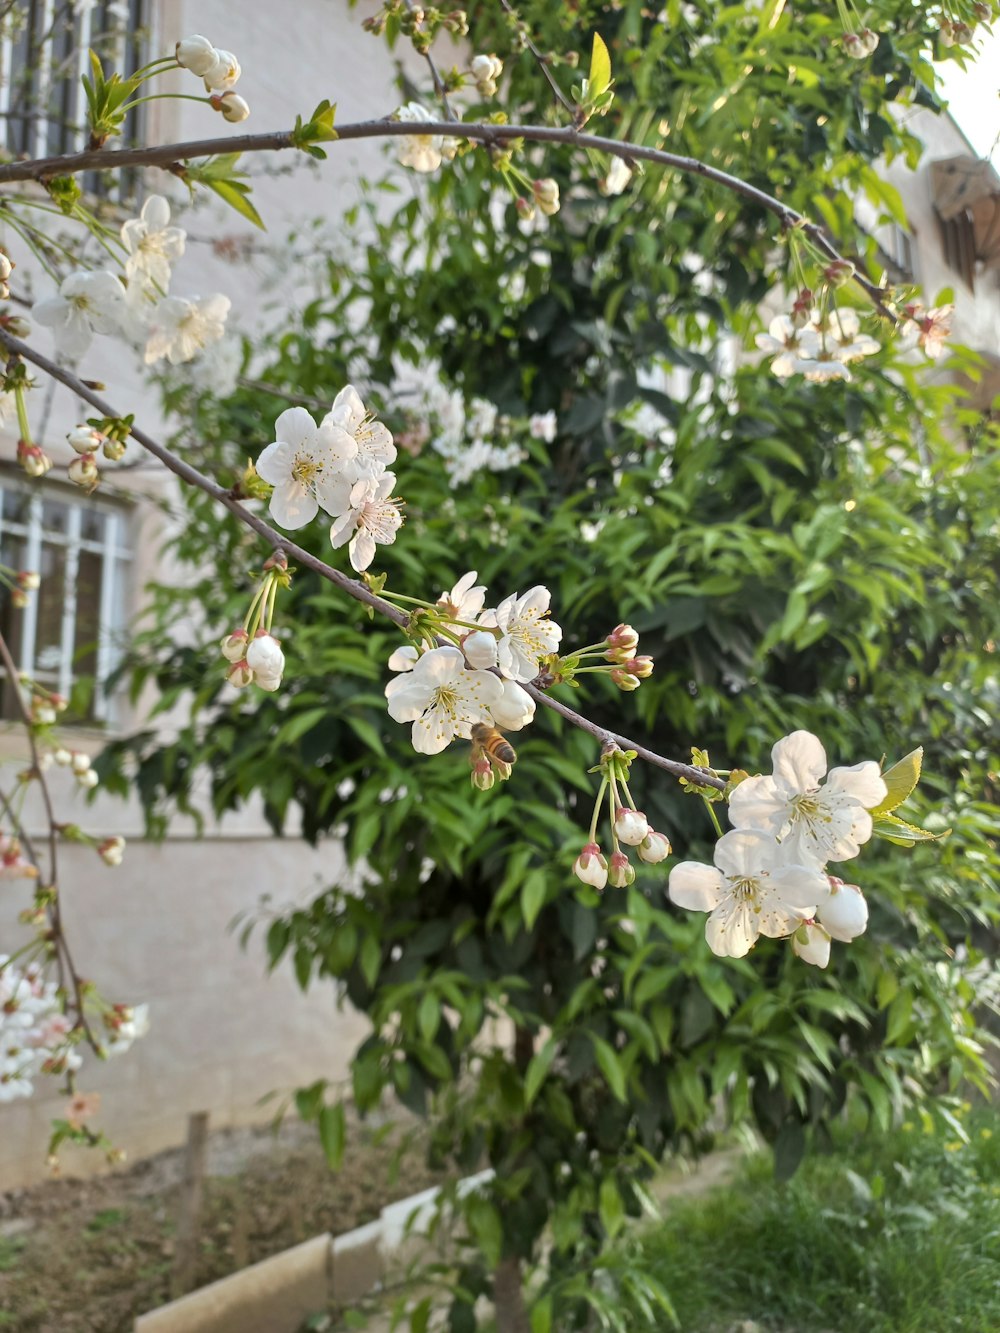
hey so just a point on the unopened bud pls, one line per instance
(111, 850)
(114, 450)
(29, 580)
(654, 848)
(625, 681)
(839, 272)
(639, 666)
(6, 267)
(33, 460)
(482, 774)
(234, 108)
(546, 194)
(623, 637)
(85, 440)
(525, 208)
(621, 872)
(239, 674)
(83, 471)
(234, 646)
(591, 866)
(631, 826)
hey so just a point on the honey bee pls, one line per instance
(494, 744)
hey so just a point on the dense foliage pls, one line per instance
(794, 555)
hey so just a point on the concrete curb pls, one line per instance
(277, 1294)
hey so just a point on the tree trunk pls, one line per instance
(512, 1316)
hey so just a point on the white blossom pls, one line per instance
(306, 466)
(442, 698)
(372, 519)
(543, 426)
(422, 152)
(87, 303)
(813, 822)
(152, 244)
(466, 599)
(181, 328)
(755, 888)
(527, 633)
(618, 177)
(375, 449)
(223, 74)
(197, 54)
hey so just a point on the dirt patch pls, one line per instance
(87, 1256)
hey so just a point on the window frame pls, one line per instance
(114, 597)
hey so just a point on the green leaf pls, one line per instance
(533, 896)
(610, 1207)
(789, 1149)
(599, 77)
(332, 1132)
(486, 1227)
(541, 1316)
(308, 1100)
(235, 195)
(610, 1065)
(897, 830)
(538, 1066)
(900, 780)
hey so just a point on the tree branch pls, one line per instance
(279, 541)
(171, 157)
(436, 78)
(543, 64)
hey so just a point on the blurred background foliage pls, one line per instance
(793, 555)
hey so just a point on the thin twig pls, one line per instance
(543, 63)
(171, 156)
(439, 87)
(279, 541)
(54, 908)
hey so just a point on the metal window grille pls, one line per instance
(73, 626)
(44, 52)
(958, 241)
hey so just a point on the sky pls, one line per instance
(973, 97)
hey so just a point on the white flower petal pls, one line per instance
(695, 886)
(799, 760)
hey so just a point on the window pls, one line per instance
(73, 625)
(896, 245)
(958, 241)
(43, 54)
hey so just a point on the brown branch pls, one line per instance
(63, 952)
(439, 87)
(279, 541)
(171, 157)
(543, 63)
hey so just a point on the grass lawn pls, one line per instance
(897, 1235)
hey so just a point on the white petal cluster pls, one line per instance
(769, 876)
(86, 303)
(446, 691)
(220, 69)
(339, 466)
(181, 327)
(421, 152)
(819, 347)
(34, 1031)
(152, 244)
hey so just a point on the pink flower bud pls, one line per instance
(111, 850)
(620, 870)
(631, 826)
(32, 459)
(546, 193)
(482, 774)
(654, 848)
(625, 681)
(839, 272)
(639, 666)
(591, 866)
(240, 674)
(623, 637)
(525, 209)
(29, 580)
(234, 646)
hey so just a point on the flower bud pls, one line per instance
(404, 659)
(224, 74)
(234, 646)
(854, 46)
(83, 472)
(482, 773)
(19, 599)
(4, 290)
(515, 707)
(802, 307)
(525, 209)
(80, 762)
(84, 440)
(623, 638)
(845, 912)
(811, 943)
(631, 826)
(6, 267)
(625, 681)
(114, 450)
(267, 682)
(239, 674)
(63, 757)
(621, 873)
(264, 656)
(591, 866)
(33, 460)
(639, 666)
(42, 714)
(480, 648)
(234, 108)
(546, 193)
(111, 850)
(654, 848)
(838, 272)
(88, 779)
(197, 54)
(29, 580)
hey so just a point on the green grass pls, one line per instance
(898, 1235)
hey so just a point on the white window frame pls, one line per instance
(116, 557)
